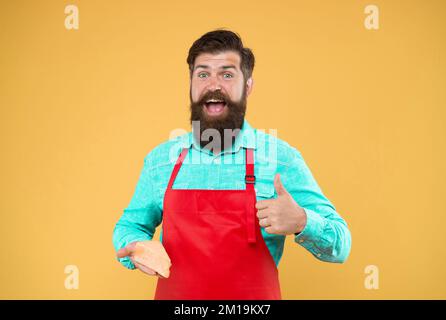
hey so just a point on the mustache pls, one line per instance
(216, 95)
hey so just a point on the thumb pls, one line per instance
(280, 189)
(126, 251)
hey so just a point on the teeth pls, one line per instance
(214, 100)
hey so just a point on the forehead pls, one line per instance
(215, 60)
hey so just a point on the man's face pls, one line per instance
(218, 91)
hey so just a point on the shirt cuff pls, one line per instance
(312, 230)
(126, 262)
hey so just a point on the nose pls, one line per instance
(214, 84)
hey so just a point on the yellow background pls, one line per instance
(81, 108)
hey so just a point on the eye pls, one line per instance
(227, 75)
(202, 75)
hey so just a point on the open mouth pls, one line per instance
(215, 107)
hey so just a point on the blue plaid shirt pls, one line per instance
(325, 235)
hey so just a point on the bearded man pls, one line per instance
(226, 194)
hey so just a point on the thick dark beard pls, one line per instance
(232, 122)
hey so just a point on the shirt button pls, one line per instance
(318, 254)
(301, 240)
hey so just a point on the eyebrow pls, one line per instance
(204, 66)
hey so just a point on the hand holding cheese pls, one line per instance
(148, 256)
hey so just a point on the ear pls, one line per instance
(249, 85)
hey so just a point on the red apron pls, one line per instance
(214, 241)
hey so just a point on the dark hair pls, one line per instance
(218, 41)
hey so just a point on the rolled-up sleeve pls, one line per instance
(326, 235)
(141, 217)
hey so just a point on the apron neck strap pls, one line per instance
(177, 167)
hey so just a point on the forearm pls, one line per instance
(328, 239)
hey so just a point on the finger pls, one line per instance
(270, 230)
(263, 213)
(149, 271)
(126, 251)
(144, 268)
(123, 252)
(263, 204)
(264, 222)
(280, 189)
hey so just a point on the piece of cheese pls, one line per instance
(152, 254)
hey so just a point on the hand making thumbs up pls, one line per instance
(281, 215)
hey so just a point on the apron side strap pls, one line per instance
(250, 205)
